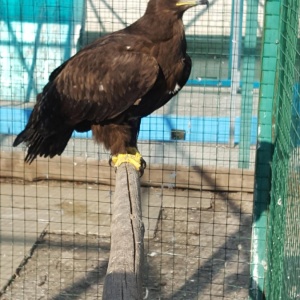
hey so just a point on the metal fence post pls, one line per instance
(264, 149)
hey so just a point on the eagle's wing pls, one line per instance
(95, 85)
(102, 82)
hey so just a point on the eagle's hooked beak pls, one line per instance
(192, 2)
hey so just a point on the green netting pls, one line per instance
(283, 243)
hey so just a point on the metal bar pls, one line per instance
(248, 79)
(264, 153)
(235, 51)
(217, 83)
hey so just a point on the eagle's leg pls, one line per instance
(121, 140)
(129, 153)
(131, 156)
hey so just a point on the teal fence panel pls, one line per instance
(36, 36)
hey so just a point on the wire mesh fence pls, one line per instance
(200, 150)
(282, 275)
(275, 261)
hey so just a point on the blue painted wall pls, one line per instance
(155, 128)
(36, 36)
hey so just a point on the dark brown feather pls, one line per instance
(111, 84)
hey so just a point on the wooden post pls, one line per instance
(124, 273)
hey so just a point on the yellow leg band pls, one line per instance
(133, 157)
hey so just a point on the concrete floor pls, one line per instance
(176, 222)
(27, 210)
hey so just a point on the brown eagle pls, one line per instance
(111, 84)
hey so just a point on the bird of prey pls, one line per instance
(109, 85)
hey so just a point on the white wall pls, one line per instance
(111, 15)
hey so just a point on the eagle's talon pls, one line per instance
(142, 167)
(112, 163)
(143, 164)
(141, 171)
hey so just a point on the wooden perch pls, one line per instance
(124, 274)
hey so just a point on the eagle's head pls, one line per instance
(176, 6)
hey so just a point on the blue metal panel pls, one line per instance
(32, 11)
(155, 128)
(253, 131)
(216, 83)
(13, 120)
(36, 36)
(197, 129)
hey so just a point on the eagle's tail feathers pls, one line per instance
(39, 145)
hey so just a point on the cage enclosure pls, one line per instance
(220, 194)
